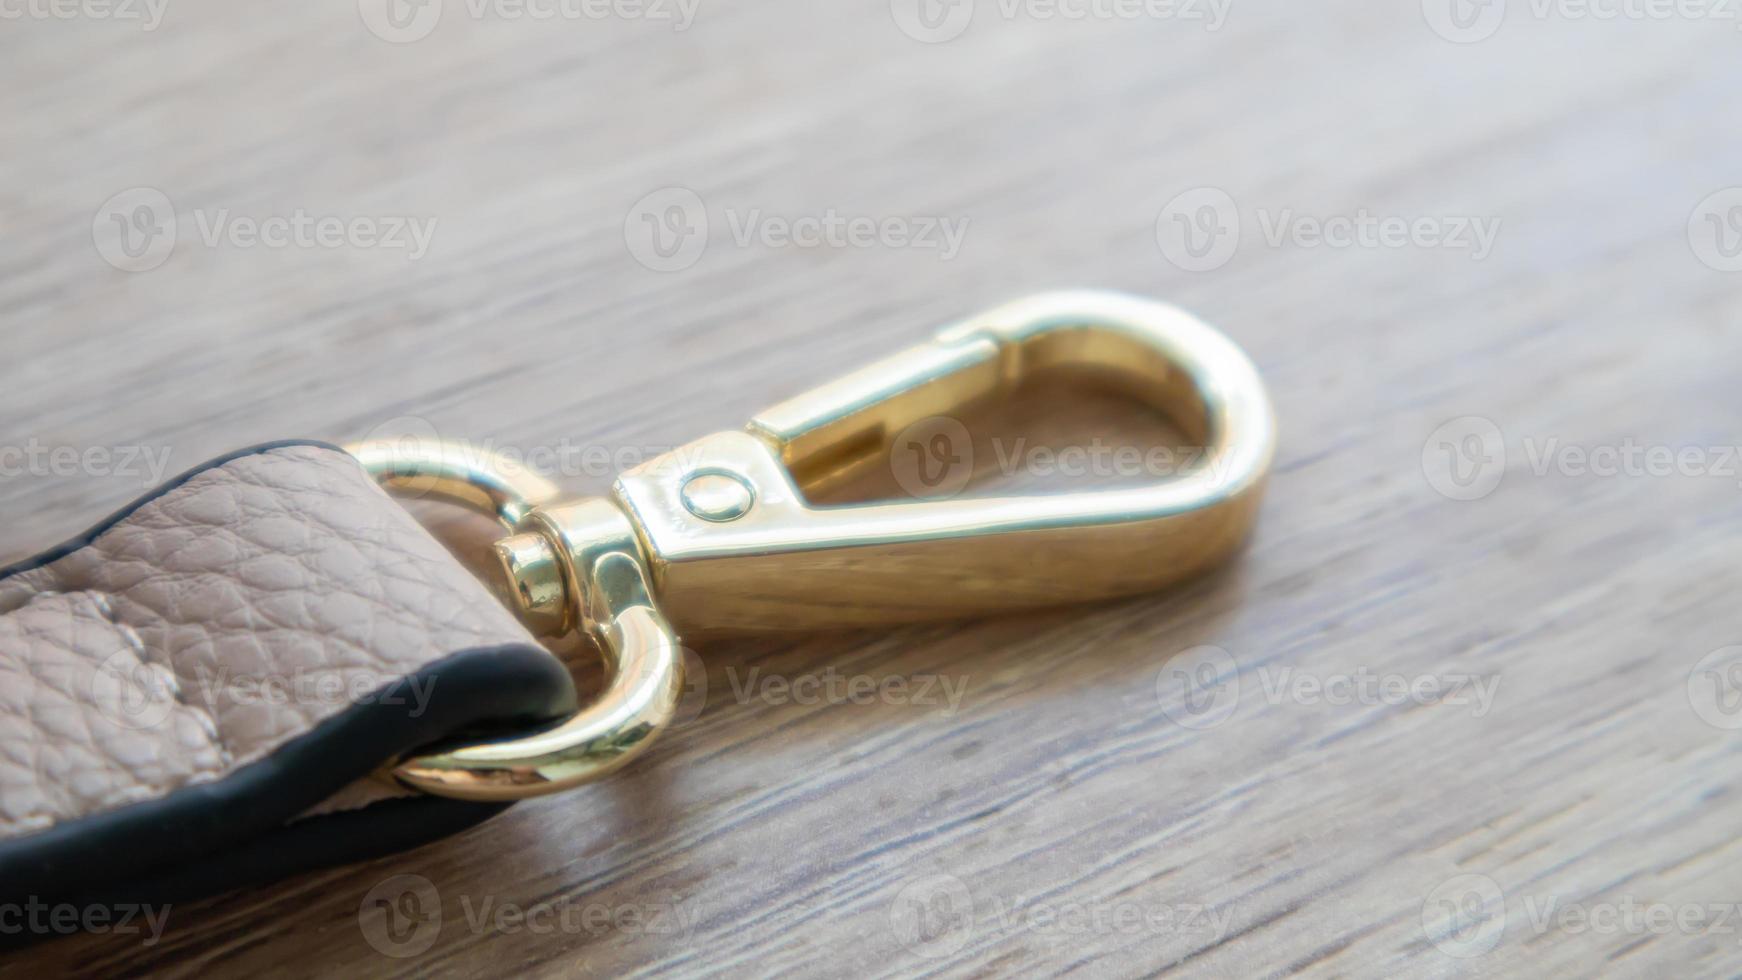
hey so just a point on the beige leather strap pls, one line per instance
(255, 603)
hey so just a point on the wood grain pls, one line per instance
(1078, 827)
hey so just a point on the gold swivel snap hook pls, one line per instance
(719, 536)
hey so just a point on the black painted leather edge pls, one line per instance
(66, 548)
(211, 837)
(326, 841)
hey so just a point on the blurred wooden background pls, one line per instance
(1058, 818)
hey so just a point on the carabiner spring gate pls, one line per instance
(718, 536)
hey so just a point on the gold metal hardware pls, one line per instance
(456, 473)
(719, 535)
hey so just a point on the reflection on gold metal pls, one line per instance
(456, 473)
(719, 536)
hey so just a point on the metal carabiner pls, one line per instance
(719, 536)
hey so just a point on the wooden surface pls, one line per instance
(1075, 825)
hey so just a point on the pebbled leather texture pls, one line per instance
(219, 621)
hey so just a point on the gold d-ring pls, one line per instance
(642, 656)
(720, 536)
(455, 472)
